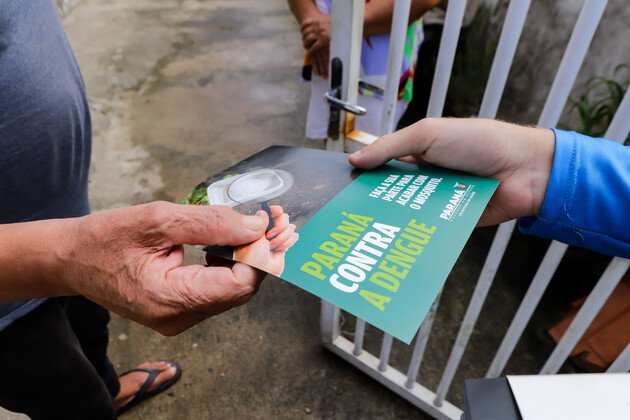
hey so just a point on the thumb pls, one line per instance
(212, 225)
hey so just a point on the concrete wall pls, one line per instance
(547, 31)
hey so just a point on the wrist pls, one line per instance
(65, 241)
(29, 257)
(310, 16)
(543, 148)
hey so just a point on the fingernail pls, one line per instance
(357, 153)
(256, 222)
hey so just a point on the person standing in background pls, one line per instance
(314, 19)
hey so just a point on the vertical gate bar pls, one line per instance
(421, 343)
(497, 249)
(346, 35)
(398, 36)
(329, 321)
(617, 131)
(622, 362)
(574, 54)
(448, 45)
(596, 299)
(508, 41)
(525, 310)
(359, 333)
(506, 48)
(620, 125)
(386, 348)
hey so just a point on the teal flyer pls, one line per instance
(379, 244)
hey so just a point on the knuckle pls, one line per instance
(219, 218)
(429, 125)
(158, 212)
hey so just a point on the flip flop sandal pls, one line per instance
(142, 393)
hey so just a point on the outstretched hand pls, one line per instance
(129, 261)
(520, 157)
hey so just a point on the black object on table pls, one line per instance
(489, 399)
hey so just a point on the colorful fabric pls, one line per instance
(374, 54)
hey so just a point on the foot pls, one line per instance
(131, 382)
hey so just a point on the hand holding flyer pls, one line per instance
(378, 244)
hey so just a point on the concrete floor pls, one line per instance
(178, 91)
(182, 89)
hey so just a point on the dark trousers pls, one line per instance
(53, 362)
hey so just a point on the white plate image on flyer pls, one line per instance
(590, 396)
(258, 186)
(251, 187)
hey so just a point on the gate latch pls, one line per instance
(333, 99)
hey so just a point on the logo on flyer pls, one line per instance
(457, 203)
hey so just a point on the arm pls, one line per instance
(315, 29)
(564, 186)
(303, 9)
(377, 17)
(379, 13)
(129, 261)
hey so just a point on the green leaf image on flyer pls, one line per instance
(379, 244)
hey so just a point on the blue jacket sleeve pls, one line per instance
(588, 197)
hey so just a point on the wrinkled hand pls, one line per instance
(129, 261)
(267, 253)
(520, 157)
(316, 41)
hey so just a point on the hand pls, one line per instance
(129, 261)
(520, 157)
(267, 253)
(282, 236)
(316, 41)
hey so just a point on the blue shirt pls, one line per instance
(45, 130)
(588, 198)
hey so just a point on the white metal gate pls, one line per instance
(346, 33)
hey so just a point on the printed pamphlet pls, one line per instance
(379, 244)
